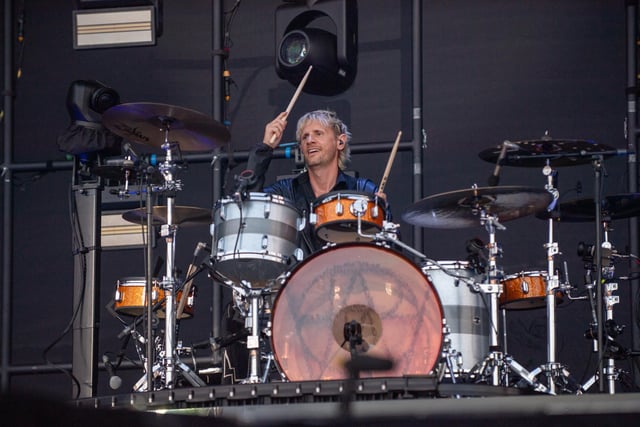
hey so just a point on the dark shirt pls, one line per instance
(299, 192)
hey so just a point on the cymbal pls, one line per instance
(461, 208)
(181, 214)
(146, 123)
(119, 174)
(536, 152)
(619, 206)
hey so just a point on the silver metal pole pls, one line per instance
(417, 139)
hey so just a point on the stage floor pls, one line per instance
(380, 401)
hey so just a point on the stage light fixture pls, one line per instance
(113, 23)
(86, 101)
(322, 33)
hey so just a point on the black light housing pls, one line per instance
(86, 101)
(332, 49)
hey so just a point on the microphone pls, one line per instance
(21, 27)
(114, 381)
(227, 85)
(246, 178)
(494, 178)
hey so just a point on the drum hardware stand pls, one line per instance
(610, 373)
(171, 364)
(497, 361)
(552, 369)
(252, 316)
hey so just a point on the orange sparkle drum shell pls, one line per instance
(525, 290)
(130, 298)
(337, 219)
(397, 307)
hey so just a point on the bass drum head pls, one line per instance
(391, 300)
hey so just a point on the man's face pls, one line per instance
(319, 144)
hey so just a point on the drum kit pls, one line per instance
(307, 315)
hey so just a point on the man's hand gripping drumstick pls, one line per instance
(274, 130)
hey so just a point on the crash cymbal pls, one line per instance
(181, 214)
(461, 209)
(146, 122)
(119, 174)
(536, 152)
(615, 207)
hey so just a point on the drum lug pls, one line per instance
(339, 208)
(524, 286)
(301, 222)
(267, 209)
(118, 297)
(265, 241)
(298, 254)
(374, 212)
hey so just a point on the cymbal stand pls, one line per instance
(497, 361)
(551, 368)
(493, 288)
(172, 366)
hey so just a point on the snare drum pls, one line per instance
(525, 290)
(336, 216)
(374, 289)
(255, 239)
(131, 300)
(465, 310)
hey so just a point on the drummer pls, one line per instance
(324, 143)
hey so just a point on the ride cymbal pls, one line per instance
(146, 123)
(537, 152)
(181, 214)
(620, 206)
(462, 208)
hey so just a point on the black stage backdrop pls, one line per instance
(492, 71)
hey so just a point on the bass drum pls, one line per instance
(356, 287)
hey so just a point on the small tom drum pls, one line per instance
(255, 239)
(351, 290)
(525, 290)
(336, 216)
(130, 298)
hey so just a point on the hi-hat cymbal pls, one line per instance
(537, 152)
(461, 208)
(146, 123)
(619, 206)
(181, 214)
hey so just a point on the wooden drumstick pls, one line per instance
(295, 97)
(383, 182)
(186, 290)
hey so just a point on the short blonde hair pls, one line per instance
(328, 119)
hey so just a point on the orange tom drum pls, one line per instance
(336, 216)
(525, 290)
(130, 298)
(356, 287)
